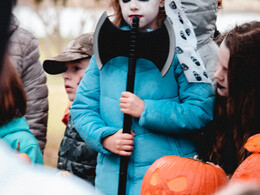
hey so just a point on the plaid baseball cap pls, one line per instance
(79, 48)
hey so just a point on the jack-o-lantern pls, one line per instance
(180, 175)
(249, 169)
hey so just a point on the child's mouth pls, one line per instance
(220, 86)
(131, 17)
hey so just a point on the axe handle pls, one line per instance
(130, 87)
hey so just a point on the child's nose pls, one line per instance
(134, 4)
(218, 74)
(66, 75)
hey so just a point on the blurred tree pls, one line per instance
(55, 1)
(51, 24)
(49, 12)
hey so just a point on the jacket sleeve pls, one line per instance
(85, 111)
(34, 80)
(193, 111)
(34, 152)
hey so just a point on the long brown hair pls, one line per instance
(118, 17)
(12, 94)
(238, 114)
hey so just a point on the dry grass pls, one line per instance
(57, 103)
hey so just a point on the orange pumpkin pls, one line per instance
(63, 172)
(249, 169)
(24, 157)
(179, 175)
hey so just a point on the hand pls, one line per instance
(120, 143)
(131, 104)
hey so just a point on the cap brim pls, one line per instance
(56, 65)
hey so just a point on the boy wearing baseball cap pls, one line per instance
(75, 156)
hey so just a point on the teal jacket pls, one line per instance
(174, 111)
(18, 130)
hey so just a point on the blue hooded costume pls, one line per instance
(174, 110)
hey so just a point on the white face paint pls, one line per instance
(146, 10)
(221, 73)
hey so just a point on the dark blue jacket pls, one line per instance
(76, 156)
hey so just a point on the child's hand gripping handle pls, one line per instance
(130, 87)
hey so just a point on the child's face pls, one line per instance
(146, 10)
(221, 73)
(72, 76)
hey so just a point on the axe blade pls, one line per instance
(157, 46)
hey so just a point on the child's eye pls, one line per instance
(76, 68)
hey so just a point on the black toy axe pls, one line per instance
(157, 46)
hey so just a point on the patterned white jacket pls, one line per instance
(203, 16)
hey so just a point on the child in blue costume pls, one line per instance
(13, 126)
(166, 111)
